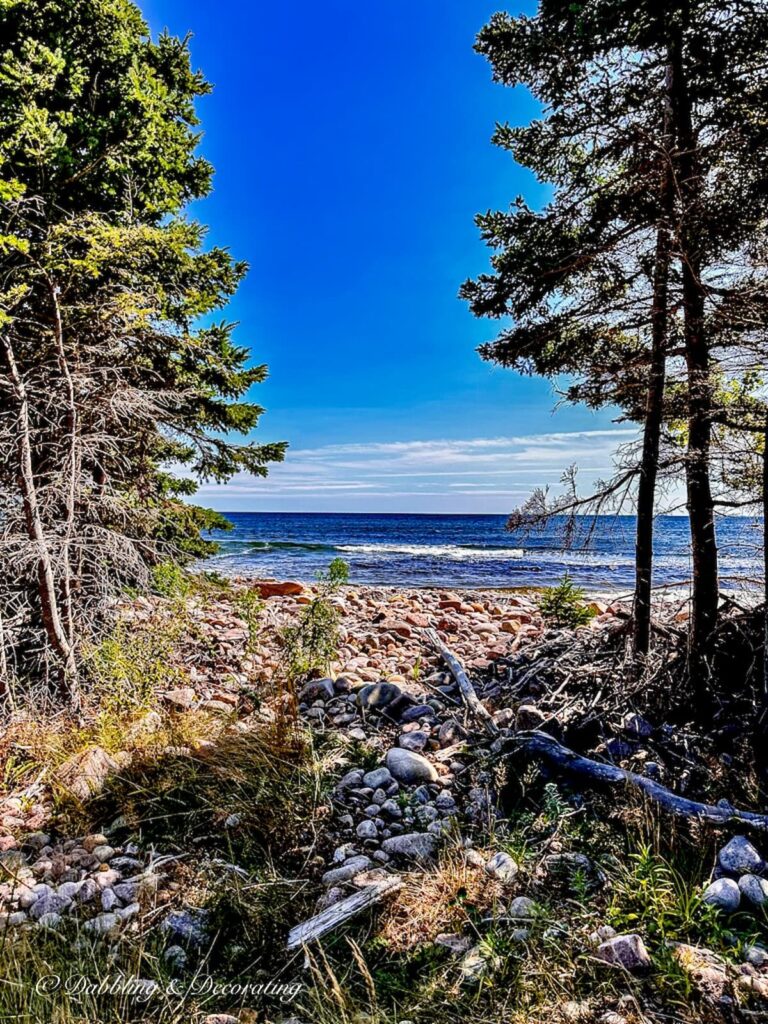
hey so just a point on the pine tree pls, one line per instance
(112, 369)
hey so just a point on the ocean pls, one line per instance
(473, 550)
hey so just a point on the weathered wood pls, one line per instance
(319, 925)
(466, 688)
(543, 746)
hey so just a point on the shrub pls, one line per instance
(564, 606)
(312, 642)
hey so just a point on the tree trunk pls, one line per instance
(701, 511)
(49, 604)
(760, 740)
(654, 409)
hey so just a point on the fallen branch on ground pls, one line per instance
(466, 688)
(319, 925)
(542, 745)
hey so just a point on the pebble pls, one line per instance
(502, 867)
(375, 779)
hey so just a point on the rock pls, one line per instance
(476, 964)
(103, 853)
(522, 908)
(317, 689)
(108, 899)
(706, 969)
(353, 778)
(274, 588)
(378, 695)
(376, 778)
(220, 1018)
(49, 903)
(348, 870)
(445, 803)
(755, 954)
(104, 924)
(415, 741)
(502, 867)
(392, 809)
(601, 934)
(189, 926)
(739, 857)
(50, 921)
(723, 893)
(637, 726)
(415, 846)
(85, 773)
(450, 732)
(409, 767)
(182, 697)
(126, 891)
(417, 712)
(754, 888)
(366, 830)
(87, 891)
(456, 944)
(627, 951)
(530, 717)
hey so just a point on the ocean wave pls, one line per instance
(456, 552)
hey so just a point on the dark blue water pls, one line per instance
(471, 551)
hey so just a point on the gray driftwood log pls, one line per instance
(466, 688)
(319, 925)
(546, 748)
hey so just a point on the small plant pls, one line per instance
(564, 606)
(170, 580)
(250, 606)
(311, 644)
(131, 664)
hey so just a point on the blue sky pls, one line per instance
(351, 147)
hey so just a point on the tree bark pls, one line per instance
(701, 510)
(72, 470)
(760, 742)
(654, 409)
(49, 604)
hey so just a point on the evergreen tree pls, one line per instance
(108, 378)
(654, 142)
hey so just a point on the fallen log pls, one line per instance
(466, 688)
(546, 747)
(324, 922)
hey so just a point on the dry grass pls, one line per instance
(448, 898)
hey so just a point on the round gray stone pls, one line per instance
(409, 767)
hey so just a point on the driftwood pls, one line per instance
(543, 746)
(319, 925)
(466, 688)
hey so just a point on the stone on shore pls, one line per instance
(410, 768)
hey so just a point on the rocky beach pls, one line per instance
(420, 799)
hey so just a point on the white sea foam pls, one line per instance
(452, 551)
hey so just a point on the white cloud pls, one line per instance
(484, 474)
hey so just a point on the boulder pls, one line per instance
(724, 894)
(739, 857)
(409, 767)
